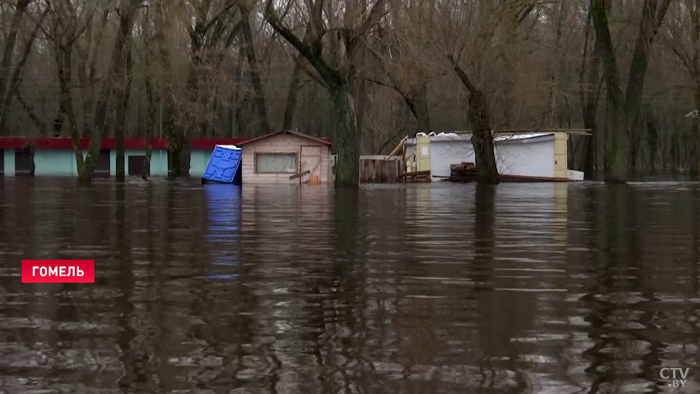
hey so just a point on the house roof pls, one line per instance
(65, 143)
(325, 141)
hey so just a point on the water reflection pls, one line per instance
(224, 210)
(414, 288)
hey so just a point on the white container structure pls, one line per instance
(542, 155)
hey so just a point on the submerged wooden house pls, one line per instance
(286, 157)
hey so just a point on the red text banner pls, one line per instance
(58, 271)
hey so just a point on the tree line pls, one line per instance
(363, 72)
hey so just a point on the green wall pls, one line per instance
(54, 163)
(198, 162)
(62, 162)
(9, 162)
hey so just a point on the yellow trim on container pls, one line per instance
(423, 153)
(560, 155)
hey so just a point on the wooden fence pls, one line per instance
(379, 170)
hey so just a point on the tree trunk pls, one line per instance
(482, 136)
(255, 76)
(150, 99)
(210, 130)
(623, 113)
(65, 78)
(348, 143)
(695, 134)
(556, 64)
(634, 150)
(38, 123)
(237, 128)
(292, 95)
(150, 123)
(89, 90)
(126, 21)
(17, 74)
(616, 137)
(589, 94)
(337, 79)
(58, 120)
(178, 162)
(9, 51)
(695, 74)
(652, 15)
(179, 156)
(418, 105)
(482, 139)
(122, 91)
(167, 101)
(591, 142)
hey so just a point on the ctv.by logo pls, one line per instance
(676, 377)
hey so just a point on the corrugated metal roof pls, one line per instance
(506, 137)
(465, 137)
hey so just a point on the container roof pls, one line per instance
(465, 137)
(324, 141)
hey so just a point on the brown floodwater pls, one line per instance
(439, 288)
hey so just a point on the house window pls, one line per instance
(276, 163)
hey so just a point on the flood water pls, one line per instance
(440, 288)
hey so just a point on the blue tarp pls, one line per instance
(224, 165)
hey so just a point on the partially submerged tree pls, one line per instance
(127, 10)
(336, 65)
(683, 37)
(471, 30)
(589, 95)
(623, 109)
(150, 94)
(16, 80)
(214, 26)
(6, 65)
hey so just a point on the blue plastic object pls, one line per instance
(224, 165)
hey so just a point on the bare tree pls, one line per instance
(336, 66)
(10, 43)
(16, 80)
(623, 110)
(127, 10)
(589, 85)
(212, 27)
(484, 34)
(683, 37)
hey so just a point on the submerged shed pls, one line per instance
(286, 157)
